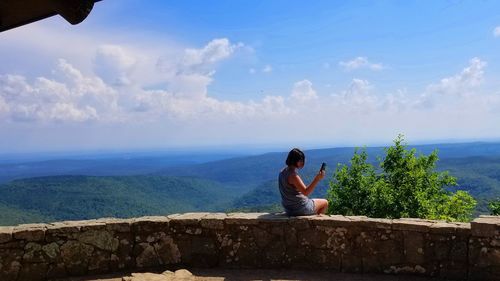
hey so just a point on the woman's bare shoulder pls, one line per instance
(293, 177)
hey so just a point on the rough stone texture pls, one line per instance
(117, 225)
(30, 232)
(5, 234)
(484, 248)
(178, 275)
(456, 251)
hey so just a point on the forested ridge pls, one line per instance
(236, 184)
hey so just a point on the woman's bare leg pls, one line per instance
(320, 206)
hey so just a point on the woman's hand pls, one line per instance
(320, 175)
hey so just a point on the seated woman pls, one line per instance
(293, 190)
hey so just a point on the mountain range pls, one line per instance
(72, 189)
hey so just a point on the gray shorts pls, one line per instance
(305, 210)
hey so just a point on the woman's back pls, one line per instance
(291, 199)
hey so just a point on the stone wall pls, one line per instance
(460, 251)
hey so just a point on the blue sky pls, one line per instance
(166, 74)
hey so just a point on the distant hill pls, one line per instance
(251, 169)
(85, 197)
(242, 183)
(251, 172)
(12, 216)
(479, 175)
(106, 165)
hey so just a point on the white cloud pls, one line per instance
(395, 102)
(108, 94)
(73, 97)
(454, 89)
(162, 91)
(216, 50)
(360, 62)
(192, 60)
(251, 71)
(187, 92)
(275, 105)
(496, 31)
(190, 76)
(114, 64)
(359, 87)
(69, 112)
(267, 69)
(303, 91)
(460, 84)
(4, 108)
(165, 104)
(357, 97)
(190, 85)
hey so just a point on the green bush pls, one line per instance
(405, 185)
(494, 207)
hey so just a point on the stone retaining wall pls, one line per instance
(460, 251)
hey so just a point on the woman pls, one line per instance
(293, 190)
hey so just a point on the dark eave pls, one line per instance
(15, 13)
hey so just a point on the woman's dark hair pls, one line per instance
(294, 156)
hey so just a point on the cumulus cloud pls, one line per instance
(190, 75)
(73, 97)
(358, 97)
(360, 62)
(192, 85)
(168, 93)
(496, 31)
(446, 95)
(454, 89)
(108, 95)
(187, 97)
(216, 50)
(70, 112)
(395, 102)
(359, 87)
(69, 95)
(463, 83)
(3, 107)
(192, 60)
(177, 108)
(303, 91)
(114, 64)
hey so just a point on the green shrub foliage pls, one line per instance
(494, 207)
(404, 185)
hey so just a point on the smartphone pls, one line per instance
(323, 166)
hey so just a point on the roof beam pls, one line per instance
(15, 13)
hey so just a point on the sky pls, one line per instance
(284, 73)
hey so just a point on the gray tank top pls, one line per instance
(290, 197)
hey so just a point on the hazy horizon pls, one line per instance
(229, 151)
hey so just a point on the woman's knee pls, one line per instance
(323, 203)
(324, 206)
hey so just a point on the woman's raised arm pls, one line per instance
(296, 181)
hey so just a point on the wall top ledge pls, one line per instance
(484, 226)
